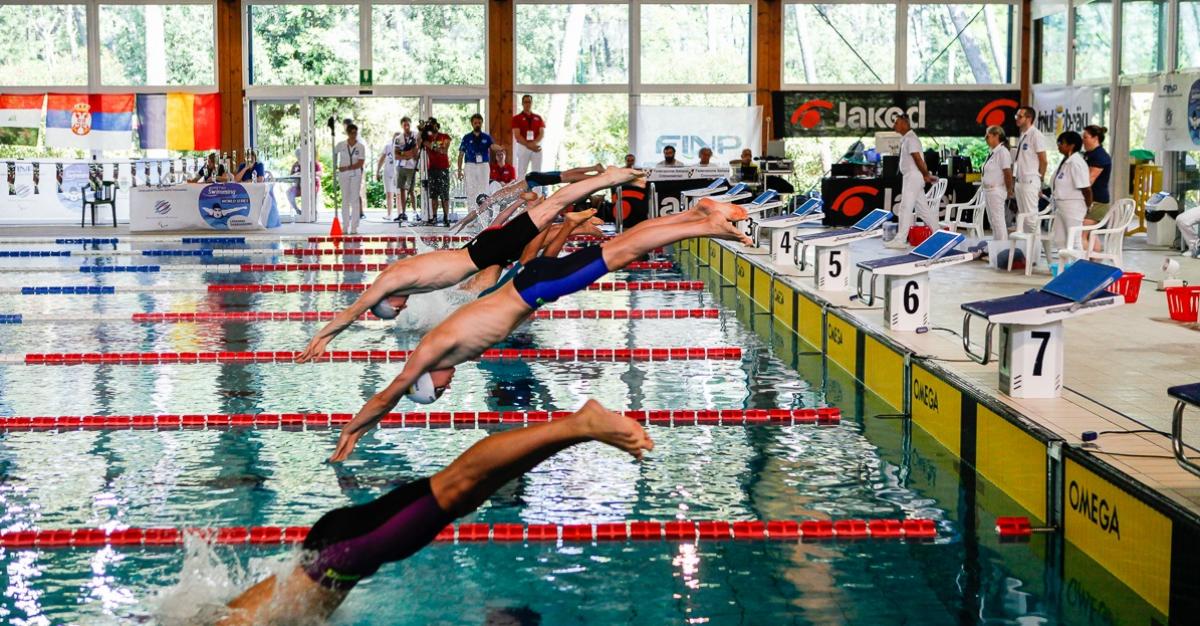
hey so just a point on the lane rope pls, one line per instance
(250, 238)
(235, 268)
(678, 530)
(325, 316)
(655, 285)
(826, 416)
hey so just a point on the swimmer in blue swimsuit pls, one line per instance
(476, 326)
(498, 246)
(351, 543)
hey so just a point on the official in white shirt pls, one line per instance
(1072, 187)
(1029, 166)
(915, 174)
(997, 181)
(351, 157)
(385, 171)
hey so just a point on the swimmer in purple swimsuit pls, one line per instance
(349, 544)
(478, 325)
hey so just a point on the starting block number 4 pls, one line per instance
(1031, 360)
(781, 246)
(832, 271)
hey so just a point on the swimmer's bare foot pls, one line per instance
(590, 227)
(616, 430)
(732, 212)
(722, 228)
(579, 217)
(621, 175)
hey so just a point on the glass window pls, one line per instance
(1051, 36)
(428, 44)
(572, 44)
(312, 44)
(582, 128)
(695, 43)
(1143, 32)
(43, 45)
(695, 99)
(960, 44)
(1093, 40)
(1189, 25)
(154, 44)
(839, 43)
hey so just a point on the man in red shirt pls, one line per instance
(528, 129)
(437, 150)
(502, 171)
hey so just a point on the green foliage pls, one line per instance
(603, 43)
(814, 50)
(187, 40)
(428, 44)
(43, 44)
(959, 44)
(717, 50)
(304, 44)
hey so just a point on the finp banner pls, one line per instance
(1175, 114)
(726, 130)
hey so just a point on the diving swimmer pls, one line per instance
(478, 325)
(508, 195)
(438, 269)
(349, 544)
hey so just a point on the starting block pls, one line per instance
(833, 250)
(714, 188)
(1031, 327)
(1184, 395)
(906, 279)
(781, 229)
(766, 201)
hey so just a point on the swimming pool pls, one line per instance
(869, 466)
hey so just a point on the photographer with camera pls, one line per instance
(437, 154)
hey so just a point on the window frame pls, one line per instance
(94, 50)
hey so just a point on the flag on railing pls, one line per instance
(89, 121)
(20, 118)
(179, 121)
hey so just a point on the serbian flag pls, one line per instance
(179, 121)
(20, 118)
(89, 121)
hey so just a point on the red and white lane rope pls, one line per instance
(373, 356)
(325, 316)
(618, 285)
(827, 416)
(239, 268)
(678, 530)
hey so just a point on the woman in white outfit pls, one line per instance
(1072, 187)
(351, 160)
(997, 181)
(385, 170)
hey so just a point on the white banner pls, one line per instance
(1064, 108)
(41, 192)
(1175, 114)
(726, 130)
(219, 206)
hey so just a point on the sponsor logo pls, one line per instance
(1094, 608)
(808, 115)
(925, 394)
(851, 201)
(162, 207)
(996, 112)
(835, 335)
(689, 146)
(81, 119)
(1094, 508)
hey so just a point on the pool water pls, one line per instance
(869, 466)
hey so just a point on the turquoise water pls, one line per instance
(867, 467)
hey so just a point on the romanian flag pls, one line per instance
(179, 121)
(20, 118)
(89, 121)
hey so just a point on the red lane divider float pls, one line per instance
(702, 530)
(384, 356)
(827, 416)
(429, 239)
(377, 267)
(646, 285)
(324, 316)
(392, 251)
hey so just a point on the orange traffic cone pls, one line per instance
(336, 229)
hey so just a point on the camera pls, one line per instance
(427, 128)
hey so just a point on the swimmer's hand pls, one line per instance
(346, 443)
(314, 349)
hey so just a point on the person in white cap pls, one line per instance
(351, 158)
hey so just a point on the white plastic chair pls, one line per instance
(933, 198)
(954, 215)
(1111, 234)
(1042, 232)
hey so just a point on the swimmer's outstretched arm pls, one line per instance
(545, 211)
(395, 277)
(576, 174)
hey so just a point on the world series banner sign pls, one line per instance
(218, 206)
(864, 113)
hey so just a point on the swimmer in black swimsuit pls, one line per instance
(476, 326)
(506, 198)
(497, 246)
(349, 544)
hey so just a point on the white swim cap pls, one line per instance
(384, 309)
(423, 391)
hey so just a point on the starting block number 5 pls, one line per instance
(831, 269)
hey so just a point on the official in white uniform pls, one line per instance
(1072, 190)
(1029, 166)
(1187, 222)
(997, 181)
(351, 157)
(915, 174)
(385, 171)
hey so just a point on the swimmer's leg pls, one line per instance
(576, 174)
(484, 279)
(493, 461)
(571, 223)
(544, 212)
(636, 243)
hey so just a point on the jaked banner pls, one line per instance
(864, 113)
(1175, 114)
(726, 130)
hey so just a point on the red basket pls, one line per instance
(1128, 285)
(918, 234)
(1182, 302)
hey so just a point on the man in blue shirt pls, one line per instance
(252, 170)
(476, 151)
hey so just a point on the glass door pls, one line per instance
(280, 132)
